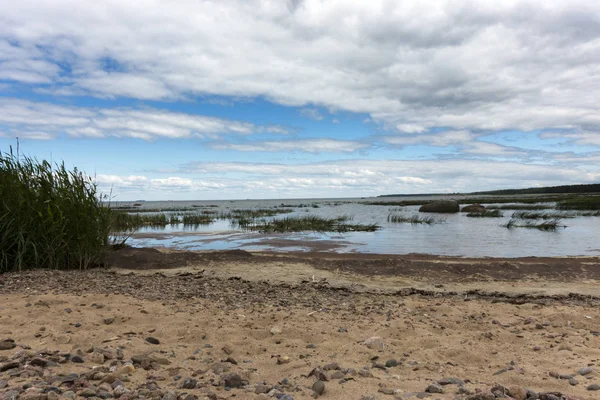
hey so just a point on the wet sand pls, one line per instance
(272, 319)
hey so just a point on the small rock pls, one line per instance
(392, 362)
(365, 373)
(275, 330)
(585, 371)
(374, 343)
(331, 366)
(450, 381)
(337, 375)
(233, 380)
(434, 388)
(189, 383)
(152, 340)
(7, 344)
(77, 359)
(108, 321)
(593, 387)
(96, 358)
(227, 349)
(311, 346)
(385, 390)
(3, 384)
(318, 387)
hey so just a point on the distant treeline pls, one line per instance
(589, 188)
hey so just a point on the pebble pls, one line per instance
(451, 381)
(96, 358)
(3, 384)
(434, 388)
(77, 359)
(189, 383)
(7, 344)
(108, 321)
(233, 380)
(152, 340)
(375, 343)
(585, 371)
(392, 362)
(275, 330)
(593, 387)
(318, 387)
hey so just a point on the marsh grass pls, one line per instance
(197, 219)
(415, 219)
(310, 223)
(550, 226)
(50, 217)
(540, 215)
(521, 207)
(486, 214)
(580, 203)
(252, 213)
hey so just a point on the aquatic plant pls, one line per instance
(521, 207)
(50, 217)
(486, 214)
(415, 219)
(580, 203)
(551, 225)
(197, 219)
(540, 215)
(310, 223)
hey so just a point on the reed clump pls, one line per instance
(415, 219)
(486, 214)
(540, 215)
(580, 203)
(550, 226)
(50, 217)
(521, 207)
(310, 223)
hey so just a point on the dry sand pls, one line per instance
(304, 318)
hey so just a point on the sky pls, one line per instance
(236, 99)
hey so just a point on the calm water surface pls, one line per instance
(458, 236)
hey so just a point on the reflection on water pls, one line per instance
(458, 236)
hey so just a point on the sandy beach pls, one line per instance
(161, 324)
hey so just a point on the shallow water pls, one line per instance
(458, 236)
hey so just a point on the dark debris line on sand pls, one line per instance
(235, 292)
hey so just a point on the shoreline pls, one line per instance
(447, 328)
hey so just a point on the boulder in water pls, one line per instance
(440, 206)
(473, 208)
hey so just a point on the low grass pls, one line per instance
(486, 214)
(540, 215)
(197, 219)
(550, 226)
(50, 217)
(521, 207)
(252, 213)
(580, 203)
(415, 219)
(310, 223)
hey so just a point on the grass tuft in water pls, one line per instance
(580, 203)
(550, 226)
(486, 214)
(309, 223)
(415, 219)
(540, 215)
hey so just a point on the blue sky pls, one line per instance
(315, 98)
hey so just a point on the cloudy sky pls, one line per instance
(230, 99)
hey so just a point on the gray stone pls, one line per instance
(434, 388)
(593, 387)
(318, 387)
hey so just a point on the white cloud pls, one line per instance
(521, 64)
(311, 113)
(45, 121)
(348, 178)
(580, 138)
(303, 145)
